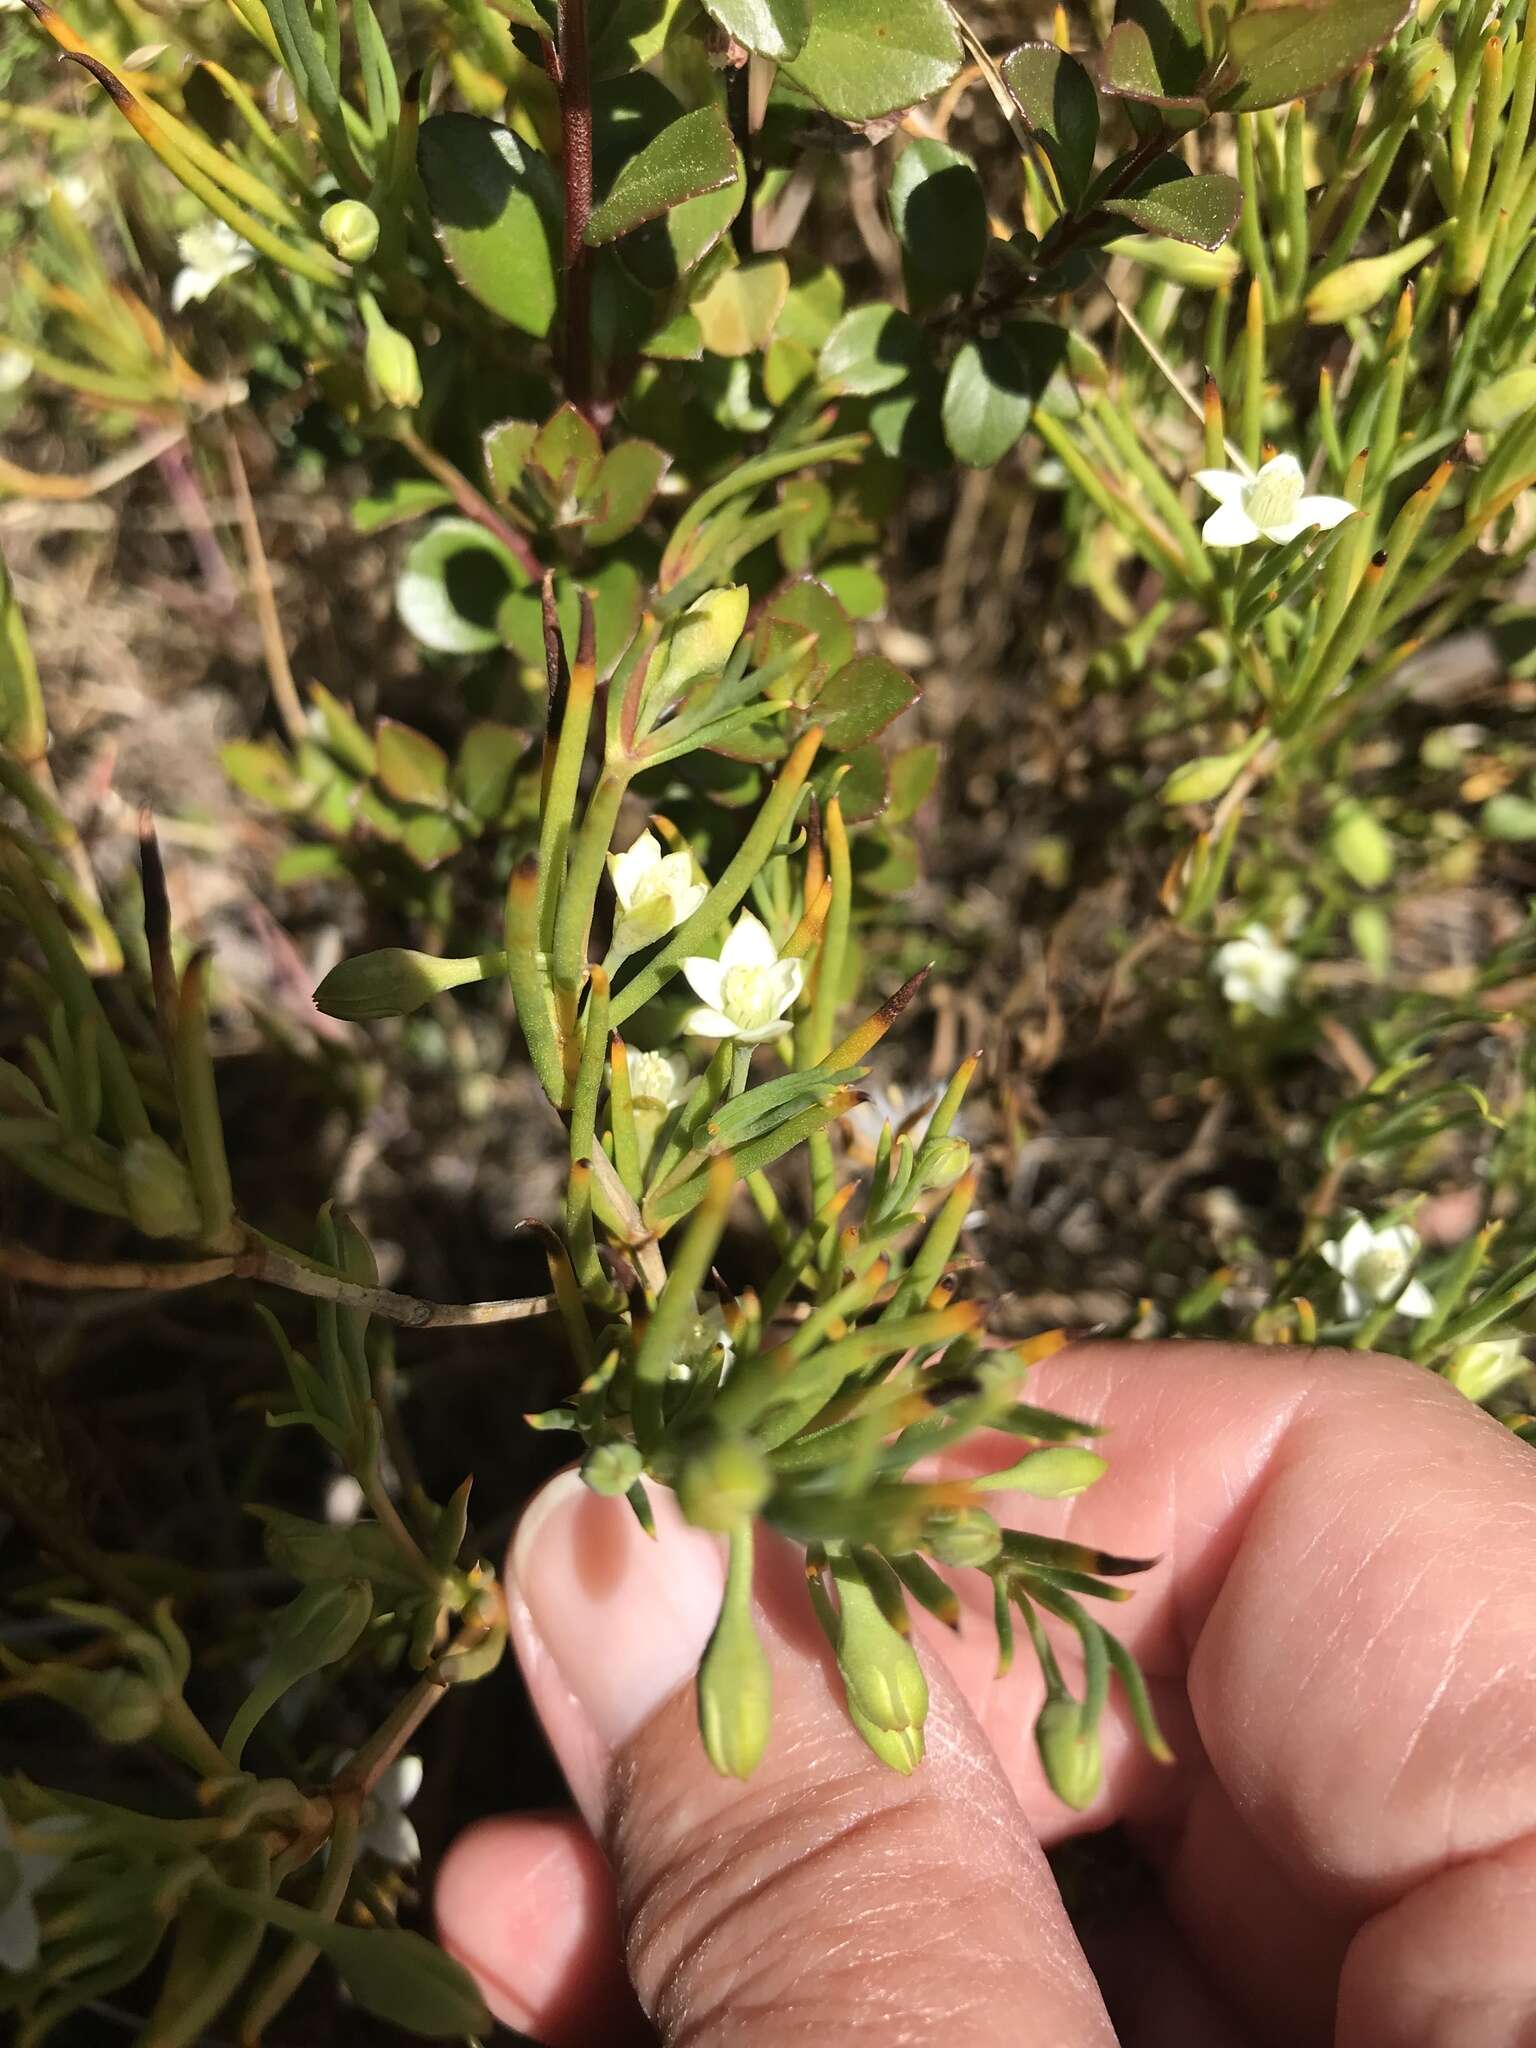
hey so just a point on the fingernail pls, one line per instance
(624, 1617)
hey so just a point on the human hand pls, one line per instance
(1340, 1638)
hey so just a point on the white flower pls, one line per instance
(1373, 1264)
(344, 1501)
(658, 1081)
(23, 1873)
(656, 892)
(1269, 506)
(15, 363)
(1480, 1369)
(1255, 969)
(210, 253)
(386, 1830)
(747, 990)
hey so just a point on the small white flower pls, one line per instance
(386, 1829)
(79, 190)
(1256, 969)
(344, 1501)
(210, 253)
(1269, 506)
(747, 990)
(23, 1873)
(1372, 1265)
(15, 363)
(658, 1081)
(656, 892)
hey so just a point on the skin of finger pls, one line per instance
(829, 1897)
(526, 1902)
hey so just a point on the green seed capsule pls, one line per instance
(962, 1536)
(391, 362)
(352, 230)
(735, 1683)
(881, 1672)
(722, 1482)
(1069, 1753)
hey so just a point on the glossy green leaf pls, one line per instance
(624, 488)
(773, 28)
(913, 774)
(507, 449)
(884, 861)
(1287, 50)
(861, 700)
(1172, 30)
(737, 312)
(430, 838)
(940, 215)
(798, 608)
(864, 58)
(695, 154)
(1056, 97)
(873, 349)
(1128, 69)
(568, 453)
(482, 773)
(860, 590)
(496, 207)
(410, 766)
(1202, 211)
(992, 387)
(408, 499)
(452, 586)
(864, 790)
(262, 770)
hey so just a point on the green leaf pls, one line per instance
(1200, 210)
(397, 502)
(801, 607)
(773, 28)
(1287, 50)
(453, 585)
(496, 207)
(1128, 69)
(861, 700)
(1172, 30)
(913, 774)
(992, 387)
(865, 790)
(873, 349)
(1509, 817)
(1056, 97)
(430, 838)
(884, 862)
(316, 1629)
(410, 766)
(262, 770)
(860, 590)
(864, 58)
(622, 494)
(737, 312)
(569, 453)
(486, 764)
(507, 449)
(693, 155)
(940, 216)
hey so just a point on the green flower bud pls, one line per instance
(612, 1469)
(352, 230)
(390, 983)
(962, 1536)
(942, 1161)
(881, 1672)
(1479, 1370)
(735, 1683)
(722, 1482)
(121, 1706)
(1069, 1752)
(158, 1190)
(1507, 399)
(1052, 1474)
(1357, 287)
(1205, 270)
(900, 1749)
(390, 360)
(1202, 781)
(1360, 846)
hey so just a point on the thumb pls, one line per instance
(825, 1898)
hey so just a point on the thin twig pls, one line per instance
(285, 692)
(472, 503)
(278, 1269)
(28, 483)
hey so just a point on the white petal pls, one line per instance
(1224, 485)
(1228, 527)
(710, 1024)
(1415, 1300)
(400, 1784)
(626, 868)
(788, 980)
(1333, 1255)
(1288, 529)
(1325, 512)
(759, 1034)
(188, 287)
(391, 1836)
(1279, 466)
(1350, 1302)
(1357, 1243)
(748, 945)
(706, 978)
(688, 899)
(1400, 1237)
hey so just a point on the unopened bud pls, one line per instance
(1360, 846)
(1205, 270)
(962, 1536)
(735, 1683)
(942, 1161)
(1357, 287)
(723, 1482)
(390, 983)
(1069, 1752)
(119, 1706)
(1480, 1370)
(612, 1469)
(352, 230)
(900, 1749)
(390, 360)
(1055, 1473)
(881, 1672)
(1507, 399)
(158, 1190)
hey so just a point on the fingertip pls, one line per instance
(526, 1904)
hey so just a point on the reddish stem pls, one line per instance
(573, 81)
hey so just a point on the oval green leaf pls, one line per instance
(940, 215)
(691, 156)
(1056, 97)
(496, 207)
(864, 58)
